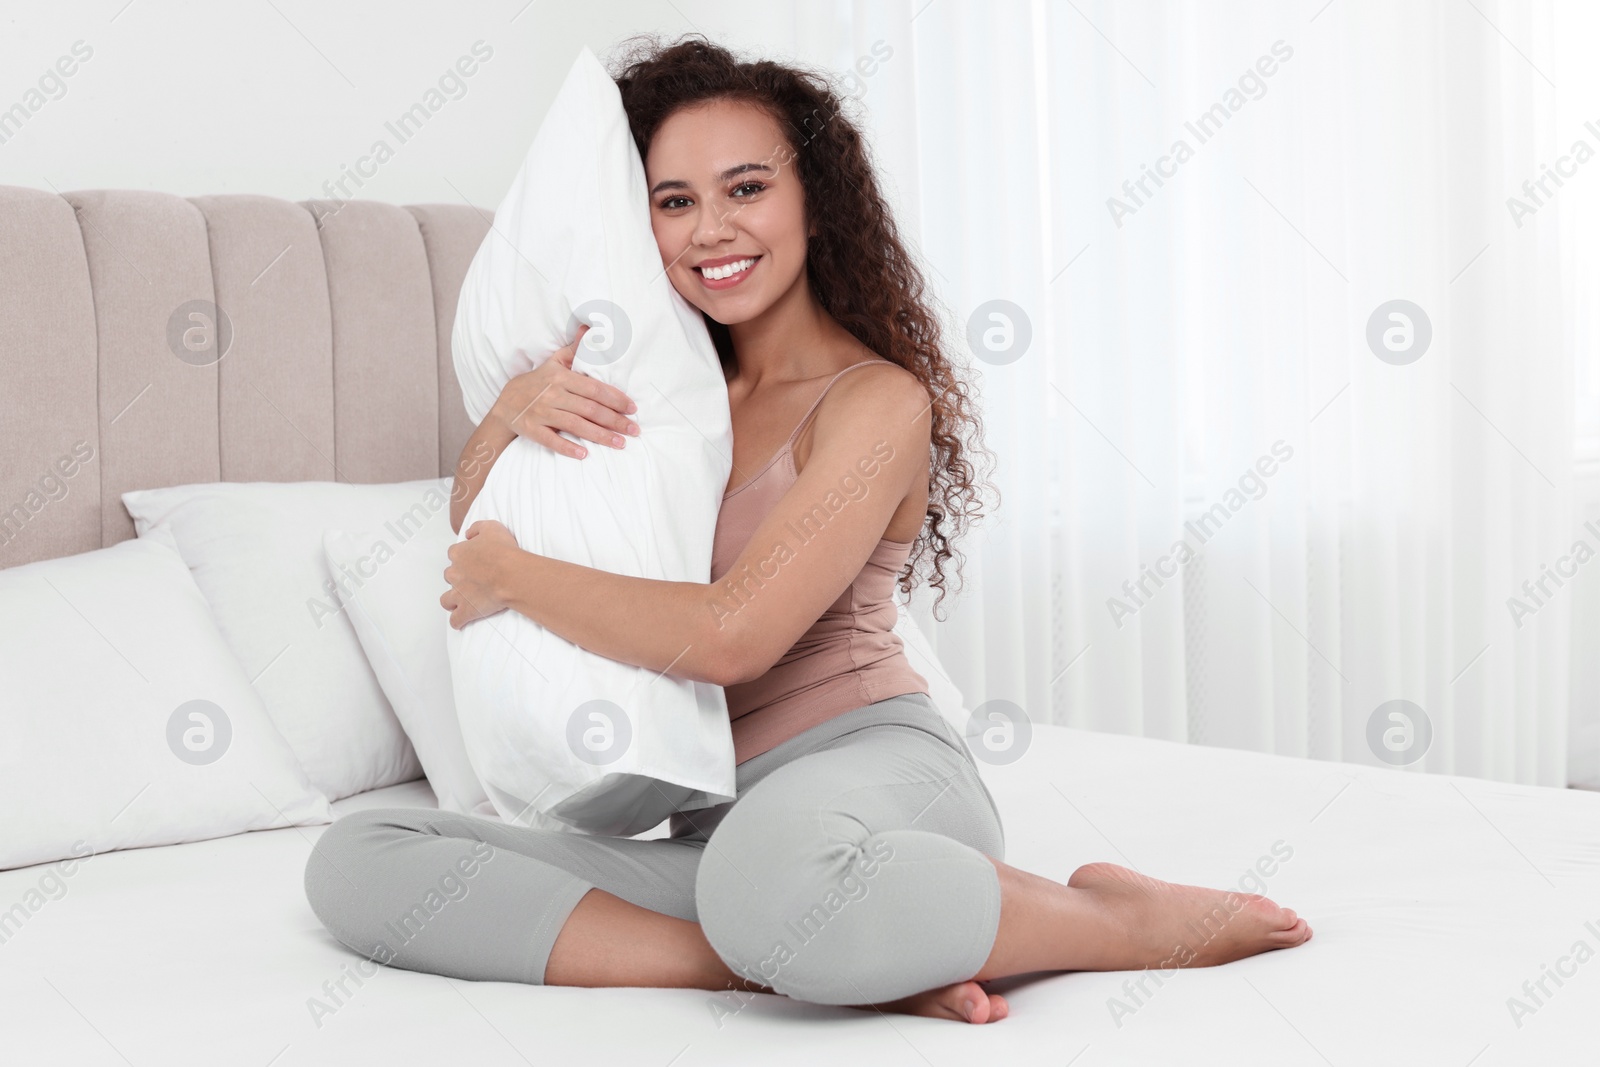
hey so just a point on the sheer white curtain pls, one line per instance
(1280, 314)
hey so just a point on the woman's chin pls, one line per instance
(719, 312)
(714, 317)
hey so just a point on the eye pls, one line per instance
(667, 204)
(756, 186)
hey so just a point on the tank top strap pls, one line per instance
(789, 444)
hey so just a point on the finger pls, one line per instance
(599, 402)
(602, 393)
(594, 427)
(572, 346)
(556, 443)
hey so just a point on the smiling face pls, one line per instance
(724, 193)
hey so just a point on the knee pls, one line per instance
(786, 907)
(824, 910)
(334, 874)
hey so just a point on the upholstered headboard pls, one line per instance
(114, 304)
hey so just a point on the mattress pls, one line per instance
(1440, 905)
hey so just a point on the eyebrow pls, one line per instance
(727, 175)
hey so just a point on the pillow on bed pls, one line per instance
(126, 719)
(391, 595)
(255, 549)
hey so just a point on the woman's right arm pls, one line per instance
(472, 469)
(547, 399)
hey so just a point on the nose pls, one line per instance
(713, 225)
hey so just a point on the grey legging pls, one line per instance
(849, 869)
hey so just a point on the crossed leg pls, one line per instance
(805, 830)
(1105, 917)
(874, 861)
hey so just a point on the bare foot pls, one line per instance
(1165, 925)
(966, 1002)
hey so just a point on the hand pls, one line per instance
(554, 397)
(476, 571)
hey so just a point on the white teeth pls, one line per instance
(728, 270)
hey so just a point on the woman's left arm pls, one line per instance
(870, 445)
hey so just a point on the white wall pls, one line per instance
(280, 97)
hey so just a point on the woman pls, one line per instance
(861, 862)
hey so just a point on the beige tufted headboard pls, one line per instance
(338, 367)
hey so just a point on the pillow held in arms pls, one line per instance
(559, 736)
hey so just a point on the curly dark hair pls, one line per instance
(856, 263)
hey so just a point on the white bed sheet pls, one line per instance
(1433, 899)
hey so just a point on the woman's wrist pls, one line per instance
(498, 423)
(511, 575)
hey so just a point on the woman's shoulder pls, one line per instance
(877, 394)
(880, 404)
(880, 382)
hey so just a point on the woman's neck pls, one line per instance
(792, 340)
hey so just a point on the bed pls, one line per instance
(1457, 920)
(1433, 898)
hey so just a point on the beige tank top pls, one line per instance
(849, 658)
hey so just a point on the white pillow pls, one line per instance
(255, 549)
(126, 719)
(393, 602)
(391, 595)
(552, 728)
